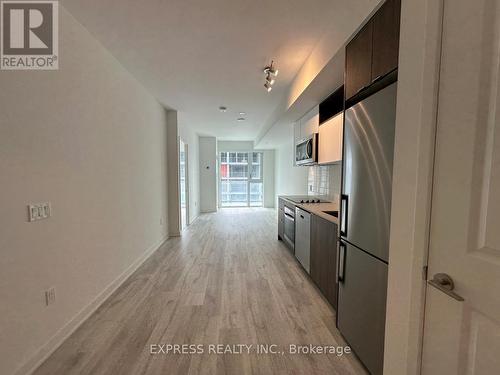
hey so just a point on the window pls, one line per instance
(240, 177)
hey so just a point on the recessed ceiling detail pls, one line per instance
(194, 55)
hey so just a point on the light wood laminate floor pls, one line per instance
(227, 280)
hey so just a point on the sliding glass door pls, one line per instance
(241, 183)
(256, 189)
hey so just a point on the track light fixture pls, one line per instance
(270, 72)
(270, 69)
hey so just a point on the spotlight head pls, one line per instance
(270, 73)
(271, 70)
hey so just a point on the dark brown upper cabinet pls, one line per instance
(373, 52)
(358, 56)
(386, 38)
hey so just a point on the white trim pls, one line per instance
(72, 325)
(418, 83)
(186, 182)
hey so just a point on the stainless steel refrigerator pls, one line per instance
(365, 222)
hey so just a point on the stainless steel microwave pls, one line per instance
(306, 151)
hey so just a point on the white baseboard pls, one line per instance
(55, 341)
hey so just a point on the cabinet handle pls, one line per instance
(361, 89)
(376, 79)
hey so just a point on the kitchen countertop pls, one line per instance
(317, 209)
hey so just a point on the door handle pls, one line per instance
(445, 284)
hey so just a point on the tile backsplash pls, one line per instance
(324, 180)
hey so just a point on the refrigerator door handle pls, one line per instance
(344, 206)
(342, 255)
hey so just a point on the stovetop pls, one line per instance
(305, 199)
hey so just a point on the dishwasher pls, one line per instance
(302, 237)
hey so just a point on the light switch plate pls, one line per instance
(33, 212)
(39, 211)
(50, 296)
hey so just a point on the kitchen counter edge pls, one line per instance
(316, 209)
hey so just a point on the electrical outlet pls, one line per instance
(50, 296)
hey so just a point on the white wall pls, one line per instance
(234, 146)
(208, 174)
(89, 139)
(269, 179)
(192, 140)
(289, 180)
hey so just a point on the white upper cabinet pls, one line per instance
(309, 123)
(296, 138)
(330, 140)
(305, 127)
(297, 134)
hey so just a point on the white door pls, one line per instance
(183, 184)
(463, 337)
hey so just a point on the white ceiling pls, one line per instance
(195, 55)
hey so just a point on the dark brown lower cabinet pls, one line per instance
(324, 257)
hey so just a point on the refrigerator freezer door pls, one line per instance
(361, 306)
(367, 182)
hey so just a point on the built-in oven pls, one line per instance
(306, 151)
(289, 228)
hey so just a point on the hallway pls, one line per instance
(227, 280)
